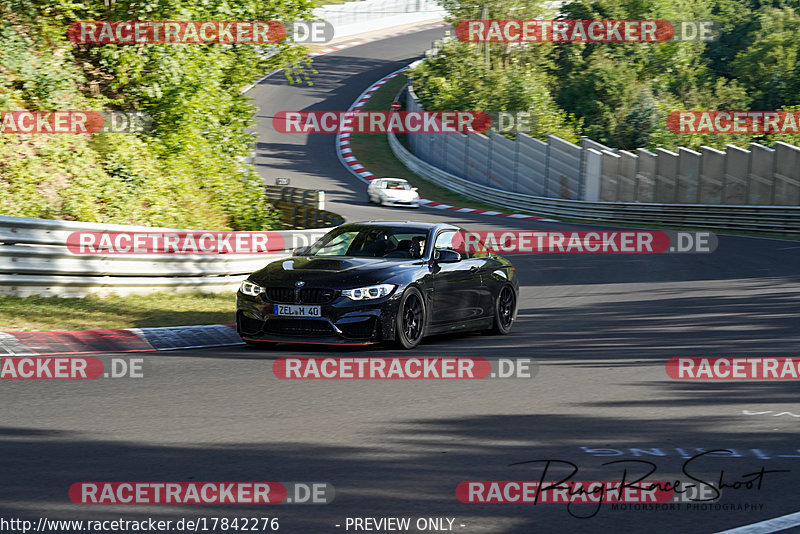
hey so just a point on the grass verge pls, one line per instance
(90, 313)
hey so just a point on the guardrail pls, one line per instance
(307, 197)
(302, 208)
(351, 18)
(302, 217)
(35, 260)
(758, 219)
(756, 176)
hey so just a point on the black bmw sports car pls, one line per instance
(374, 282)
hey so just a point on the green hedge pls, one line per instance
(188, 171)
(621, 93)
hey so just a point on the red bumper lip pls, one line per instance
(301, 341)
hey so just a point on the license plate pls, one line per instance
(293, 310)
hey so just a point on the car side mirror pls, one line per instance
(447, 256)
(300, 251)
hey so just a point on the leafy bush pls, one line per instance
(189, 170)
(621, 93)
(456, 80)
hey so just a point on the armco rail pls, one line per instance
(34, 260)
(306, 197)
(760, 219)
(351, 18)
(302, 208)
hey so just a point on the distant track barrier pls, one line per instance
(302, 208)
(566, 167)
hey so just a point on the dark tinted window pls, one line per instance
(373, 242)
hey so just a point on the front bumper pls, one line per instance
(343, 322)
(403, 203)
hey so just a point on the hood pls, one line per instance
(400, 193)
(329, 272)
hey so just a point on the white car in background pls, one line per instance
(392, 192)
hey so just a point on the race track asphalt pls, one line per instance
(601, 328)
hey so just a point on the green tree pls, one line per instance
(454, 80)
(769, 66)
(188, 171)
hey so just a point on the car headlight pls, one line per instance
(251, 289)
(369, 292)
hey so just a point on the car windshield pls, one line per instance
(397, 184)
(373, 242)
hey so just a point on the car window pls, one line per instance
(373, 242)
(397, 184)
(445, 241)
(406, 245)
(337, 246)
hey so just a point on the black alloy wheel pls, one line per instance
(410, 319)
(505, 310)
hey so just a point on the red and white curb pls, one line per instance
(343, 149)
(122, 340)
(345, 153)
(351, 44)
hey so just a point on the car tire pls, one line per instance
(505, 310)
(369, 199)
(410, 319)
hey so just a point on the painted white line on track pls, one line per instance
(767, 527)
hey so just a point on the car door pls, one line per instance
(486, 265)
(456, 287)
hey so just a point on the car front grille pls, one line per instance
(307, 295)
(284, 295)
(298, 327)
